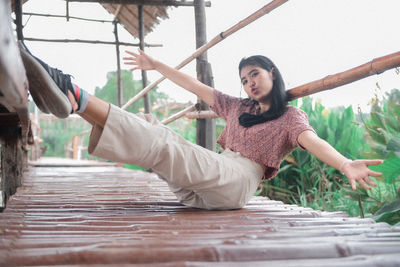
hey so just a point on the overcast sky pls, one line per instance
(307, 40)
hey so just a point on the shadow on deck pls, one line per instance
(108, 215)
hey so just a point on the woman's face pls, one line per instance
(257, 82)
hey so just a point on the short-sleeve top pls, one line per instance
(266, 143)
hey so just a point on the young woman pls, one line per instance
(260, 131)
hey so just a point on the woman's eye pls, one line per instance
(254, 74)
(244, 82)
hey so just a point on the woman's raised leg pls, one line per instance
(96, 111)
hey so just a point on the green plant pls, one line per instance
(56, 134)
(383, 130)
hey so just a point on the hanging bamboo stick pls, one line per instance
(259, 13)
(178, 115)
(375, 66)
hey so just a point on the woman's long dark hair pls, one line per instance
(277, 94)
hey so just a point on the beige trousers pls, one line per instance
(197, 176)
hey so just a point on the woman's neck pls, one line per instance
(264, 107)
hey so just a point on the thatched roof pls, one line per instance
(128, 16)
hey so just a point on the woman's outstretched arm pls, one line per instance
(356, 171)
(142, 61)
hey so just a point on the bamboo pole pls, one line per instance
(146, 97)
(119, 80)
(67, 10)
(178, 115)
(375, 66)
(18, 19)
(203, 114)
(66, 17)
(75, 147)
(259, 13)
(205, 128)
(86, 42)
(144, 2)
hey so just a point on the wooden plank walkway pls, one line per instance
(106, 215)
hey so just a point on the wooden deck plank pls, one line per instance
(107, 215)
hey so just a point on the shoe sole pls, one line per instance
(45, 93)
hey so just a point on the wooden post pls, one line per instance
(75, 144)
(14, 126)
(146, 99)
(206, 133)
(119, 83)
(13, 163)
(18, 19)
(67, 10)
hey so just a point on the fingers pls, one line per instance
(364, 182)
(372, 161)
(131, 53)
(353, 185)
(370, 182)
(374, 174)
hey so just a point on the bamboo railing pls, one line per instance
(375, 66)
(178, 115)
(256, 15)
(75, 146)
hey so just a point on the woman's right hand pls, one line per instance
(144, 62)
(140, 61)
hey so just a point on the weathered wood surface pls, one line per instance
(13, 81)
(14, 117)
(114, 216)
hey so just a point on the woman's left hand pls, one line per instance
(358, 171)
(140, 61)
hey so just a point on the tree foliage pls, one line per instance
(130, 88)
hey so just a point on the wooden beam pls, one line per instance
(243, 23)
(18, 19)
(144, 2)
(119, 80)
(13, 96)
(64, 16)
(13, 81)
(146, 97)
(86, 42)
(67, 10)
(205, 127)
